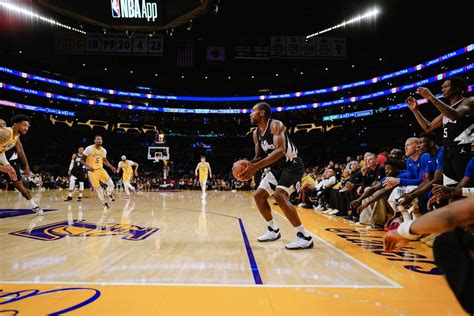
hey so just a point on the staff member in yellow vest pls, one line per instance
(20, 126)
(94, 158)
(130, 169)
(204, 169)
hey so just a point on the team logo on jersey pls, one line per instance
(266, 146)
(77, 228)
(134, 9)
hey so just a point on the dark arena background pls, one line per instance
(172, 85)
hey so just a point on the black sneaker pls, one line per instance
(79, 199)
(68, 199)
(112, 197)
(106, 205)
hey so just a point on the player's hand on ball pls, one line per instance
(239, 168)
(248, 172)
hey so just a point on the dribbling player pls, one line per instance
(204, 169)
(77, 172)
(274, 149)
(128, 172)
(20, 126)
(94, 158)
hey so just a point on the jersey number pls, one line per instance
(97, 160)
(445, 132)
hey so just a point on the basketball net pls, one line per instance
(158, 157)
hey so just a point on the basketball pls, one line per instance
(4, 136)
(238, 167)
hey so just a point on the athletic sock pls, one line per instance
(300, 229)
(272, 224)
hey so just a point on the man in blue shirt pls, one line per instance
(431, 158)
(409, 180)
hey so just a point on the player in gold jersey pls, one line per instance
(129, 168)
(4, 138)
(94, 158)
(204, 169)
(20, 126)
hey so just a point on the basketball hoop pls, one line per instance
(156, 154)
(158, 157)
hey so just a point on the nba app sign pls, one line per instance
(134, 9)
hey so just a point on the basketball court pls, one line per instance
(174, 253)
(140, 141)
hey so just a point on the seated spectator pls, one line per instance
(408, 181)
(320, 194)
(375, 217)
(382, 156)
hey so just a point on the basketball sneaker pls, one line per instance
(37, 210)
(270, 235)
(301, 242)
(79, 199)
(68, 199)
(106, 205)
(112, 197)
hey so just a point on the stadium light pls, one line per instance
(358, 18)
(13, 7)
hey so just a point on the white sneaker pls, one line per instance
(318, 208)
(38, 210)
(374, 227)
(333, 211)
(270, 235)
(327, 211)
(301, 242)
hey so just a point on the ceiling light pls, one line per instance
(367, 15)
(28, 12)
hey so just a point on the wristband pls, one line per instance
(467, 191)
(404, 230)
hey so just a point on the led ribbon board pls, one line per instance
(394, 107)
(362, 83)
(353, 99)
(36, 108)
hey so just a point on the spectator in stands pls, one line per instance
(376, 216)
(431, 158)
(321, 193)
(382, 156)
(348, 193)
(371, 173)
(409, 180)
